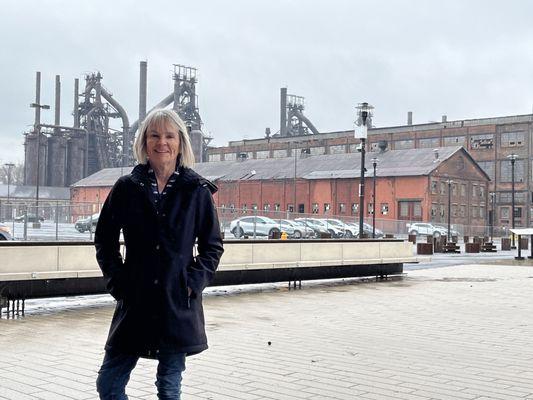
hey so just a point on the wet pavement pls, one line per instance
(455, 332)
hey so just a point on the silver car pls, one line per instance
(300, 229)
(257, 226)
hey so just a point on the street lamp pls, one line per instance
(449, 182)
(374, 164)
(361, 131)
(512, 158)
(491, 219)
(8, 166)
(37, 129)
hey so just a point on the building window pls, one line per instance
(429, 143)
(474, 190)
(454, 141)
(443, 188)
(463, 189)
(462, 211)
(454, 189)
(223, 208)
(254, 207)
(370, 208)
(213, 157)
(290, 207)
(355, 208)
(505, 213)
(512, 139)
(374, 146)
(277, 207)
(404, 144)
(338, 149)
(404, 209)
(244, 208)
(474, 212)
(230, 157)
(262, 154)
(279, 153)
(342, 208)
(266, 207)
(482, 192)
(518, 212)
(506, 171)
(314, 208)
(327, 207)
(454, 210)
(301, 208)
(384, 208)
(434, 211)
(481, 211)
(488, 167)
(481, 142)
(433, 187)
(316, 151)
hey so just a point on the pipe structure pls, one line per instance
(142, 90)
(304, 119)
(125, 125)
(162, 104)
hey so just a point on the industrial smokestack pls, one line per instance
(37, 99)
(444, 118)
(409, 118)
(76, 103)
(283, 112)
(57, 120)
(142, 90)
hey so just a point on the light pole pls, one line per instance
(364, 112)
(491, 219)
(374, 164)
(8, 166)
(449, 182)
(513, 158)
(37, 129)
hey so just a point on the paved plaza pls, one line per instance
(459, 332)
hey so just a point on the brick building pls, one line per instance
(488, 140)
(410, 185)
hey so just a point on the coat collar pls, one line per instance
(186, 177)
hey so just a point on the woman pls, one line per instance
(162, 208)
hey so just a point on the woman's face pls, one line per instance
(162, 144)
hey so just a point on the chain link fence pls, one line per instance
(77, 221)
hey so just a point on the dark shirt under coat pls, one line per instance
(154, 313)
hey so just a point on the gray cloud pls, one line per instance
(466, 59)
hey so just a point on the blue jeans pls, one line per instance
(116, 369)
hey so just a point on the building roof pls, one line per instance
(412, 162)
(29, 192)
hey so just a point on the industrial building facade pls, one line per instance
(489, 141)
(411, 185)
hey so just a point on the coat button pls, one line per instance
(157, 247)
(156, 282)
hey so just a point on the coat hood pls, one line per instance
(186, 177)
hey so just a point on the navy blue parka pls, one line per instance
(154, 313)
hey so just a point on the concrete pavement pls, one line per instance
(459, 332)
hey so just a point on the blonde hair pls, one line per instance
(159, 117)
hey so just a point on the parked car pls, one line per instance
(367, 229)
(5, 232)
(261, 226)
(424, 228)
(334, 230)
(31, 218)
(348, 231)
(319, 229)
(84, 224)
(444, 230)
(300, 229)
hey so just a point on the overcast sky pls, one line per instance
(466, 59)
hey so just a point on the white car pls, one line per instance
(301, 230)
(424, 228)
(257, 226)
(334, 230)
(348, 231)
